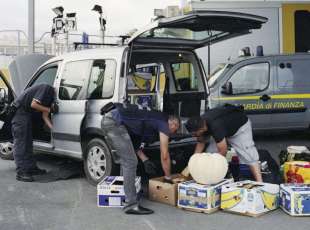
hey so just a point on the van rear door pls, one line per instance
(195, 29)
(7, 96)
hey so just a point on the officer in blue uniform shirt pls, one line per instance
(37, 98)
(143, 127)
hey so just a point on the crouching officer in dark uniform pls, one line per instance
(143, 127)
(225, 125)
(36, 98)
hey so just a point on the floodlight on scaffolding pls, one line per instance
(71, 21)
(59, 10)
(97, 8)
(59, 24)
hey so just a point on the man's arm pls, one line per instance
(200, 146)
(164, 154)
(222, 147)
(37, 106)
(47, 120)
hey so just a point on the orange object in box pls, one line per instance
(297, 172)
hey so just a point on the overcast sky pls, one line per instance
(121, 15)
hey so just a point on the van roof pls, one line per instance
(90, 53)
(236, 60)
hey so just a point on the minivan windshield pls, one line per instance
(216, 72)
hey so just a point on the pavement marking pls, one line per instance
(149, 224)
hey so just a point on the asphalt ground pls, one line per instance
(71, 204)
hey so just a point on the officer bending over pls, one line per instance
(37, 98)
(143, 127)
(226, 124)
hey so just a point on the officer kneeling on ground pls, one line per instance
(143, 127)
(226, 124)
(37, 98)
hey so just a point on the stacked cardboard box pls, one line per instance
(110, 191)
(297, 172)
(295, 199)
(249, 198)
(200, 198)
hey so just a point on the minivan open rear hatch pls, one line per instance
(195, 29)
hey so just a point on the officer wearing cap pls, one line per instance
(38, 98)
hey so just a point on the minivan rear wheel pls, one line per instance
(98, 162)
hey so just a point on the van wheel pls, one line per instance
(98, 162)
(6, 151)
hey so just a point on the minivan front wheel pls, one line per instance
(98, 162)
(6, 151)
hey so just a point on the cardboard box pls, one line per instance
(162, 192)
(110, 191)
(295, 199)
(200, 198)
(297, 172)
(249, 197)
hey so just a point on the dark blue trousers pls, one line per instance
(22, 142)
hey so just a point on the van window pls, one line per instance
(75, 80)
(250, 78)
(102, 79)
(142, 84)
(185, 76)
(47, 76)
(294, 74)
(4, 91)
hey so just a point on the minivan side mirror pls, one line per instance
(3, 95)
(227, 88)
(107, 108)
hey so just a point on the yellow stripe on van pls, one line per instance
(291, 96)
(238, 98)
(279, 96)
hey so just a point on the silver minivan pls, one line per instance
(158, 69)
(273, 89)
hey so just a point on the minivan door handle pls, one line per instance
(265, 97)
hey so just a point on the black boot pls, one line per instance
(24, 176)
(37, 171)
(135, 209)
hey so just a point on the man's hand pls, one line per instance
(222, 147)
(200, 147)
(168, 179)
(150, 167)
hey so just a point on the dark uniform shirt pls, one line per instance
(42, 93)
(142, 125)
(224, 121)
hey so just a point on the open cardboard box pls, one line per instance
(163, 192)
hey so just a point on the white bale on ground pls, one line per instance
(208, 168)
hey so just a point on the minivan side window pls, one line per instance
(47, 76)
(294, 75)
(74, 80)
(250, 78)
(102, 79)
